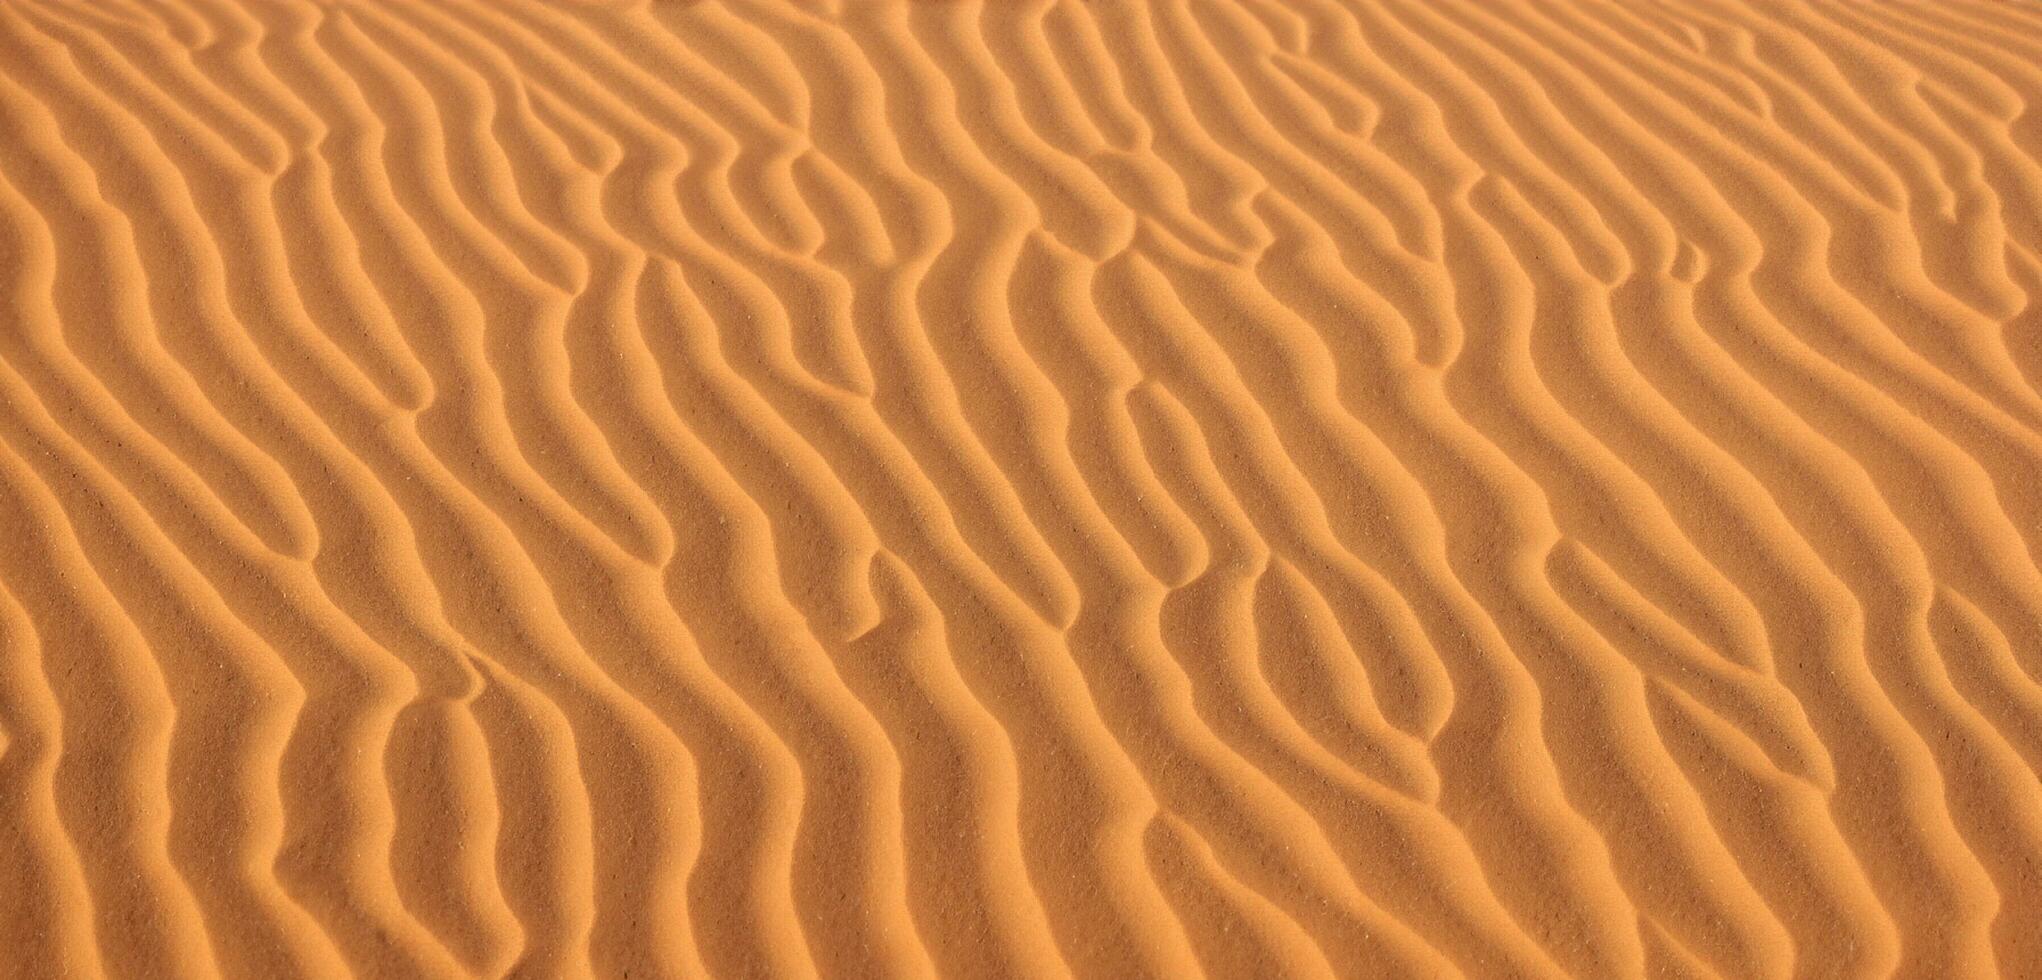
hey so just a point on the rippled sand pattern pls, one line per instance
(1118, 488)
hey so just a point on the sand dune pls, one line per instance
(1370, 488)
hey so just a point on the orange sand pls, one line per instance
(1116, 488)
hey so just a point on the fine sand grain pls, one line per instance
(1115, 488)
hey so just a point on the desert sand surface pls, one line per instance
(1020, 488)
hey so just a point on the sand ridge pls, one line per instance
(1376, 488)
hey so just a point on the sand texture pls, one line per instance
(1020, 488)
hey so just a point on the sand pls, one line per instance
(1114, 488)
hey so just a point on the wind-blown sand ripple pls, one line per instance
(1020, 487)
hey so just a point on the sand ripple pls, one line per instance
(1504, 488)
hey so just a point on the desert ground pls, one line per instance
(1020, 488)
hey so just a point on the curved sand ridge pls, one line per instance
(1024, 487)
